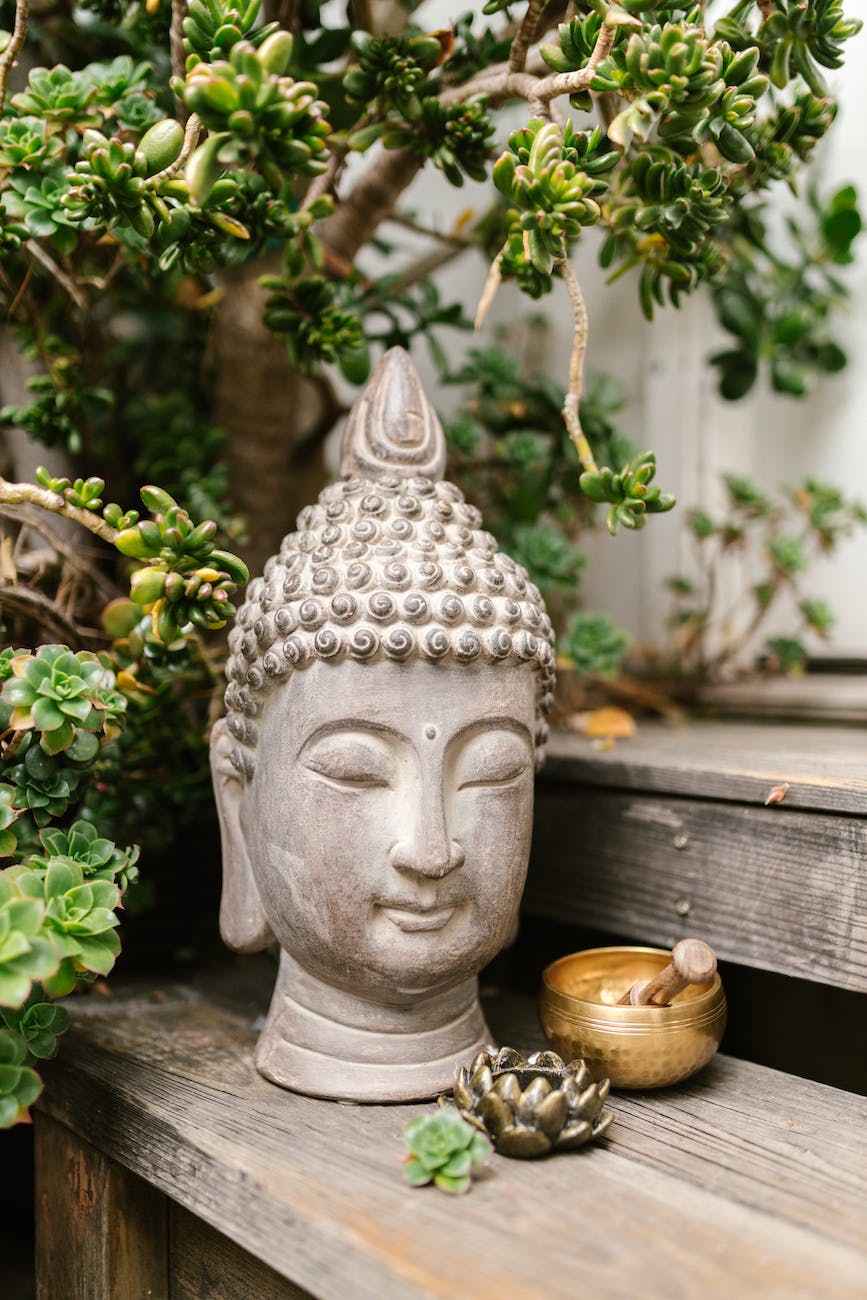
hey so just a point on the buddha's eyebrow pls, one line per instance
(350, 724)
(494, 724)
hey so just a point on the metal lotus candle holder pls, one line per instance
(529, 1106)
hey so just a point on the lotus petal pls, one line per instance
(497, 1116)
(550, 1114)
(575, 1135)
(525, 1143)
(509, 1089)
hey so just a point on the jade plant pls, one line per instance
(199, 147)
(61, 713)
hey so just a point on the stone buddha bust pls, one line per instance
(389, 678)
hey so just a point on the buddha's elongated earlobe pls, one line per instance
(243, 923)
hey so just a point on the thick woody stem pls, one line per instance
(22, 494)
(192, 131)
(369, 202)
(572, 403)
(526, 35)
(16, 40)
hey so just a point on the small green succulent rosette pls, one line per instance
(443, 1150)
(529, 1106)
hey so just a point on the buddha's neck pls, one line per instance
(330, 1043)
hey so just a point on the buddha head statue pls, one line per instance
(389, 677)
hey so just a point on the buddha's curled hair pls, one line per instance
(393, 567)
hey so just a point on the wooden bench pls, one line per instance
(166, 1167)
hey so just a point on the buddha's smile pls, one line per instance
(415, 919)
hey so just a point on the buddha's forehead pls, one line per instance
(416, 700)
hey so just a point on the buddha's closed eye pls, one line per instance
(350, 760)
(492, 758)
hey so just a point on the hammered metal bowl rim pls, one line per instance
(702, 1008)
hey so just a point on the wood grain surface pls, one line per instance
(103, 1229)
(743, 1183)
(206, 1265)
(825, 767)
(772, 888)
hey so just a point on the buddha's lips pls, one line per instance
(413, 919)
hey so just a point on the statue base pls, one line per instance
(328, 1043)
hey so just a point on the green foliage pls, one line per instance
(629, 492)
(19, 1084)
(663, 216)
(69, 698)
(548, 554)
(257, 116)
(550, 176)
(212, 29)
(456, 138)
(443, 1150)
(777, 306)
(390, 72)
(594, 645)
(780, 537)
(64, 407)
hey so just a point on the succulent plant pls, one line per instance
(390, 70)
(258, 116)
(552, 189)
(594, 644)
(39, 1024)
(443, 1149)
(98, 858)
(79, 920)
(19, 1085)
(66, 696)
(531, 1105)
(25, 954)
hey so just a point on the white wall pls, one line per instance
(673, 406)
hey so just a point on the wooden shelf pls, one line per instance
(745, 1182)
(667, 835)
(825, 766)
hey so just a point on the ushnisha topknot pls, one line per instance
(390, 564)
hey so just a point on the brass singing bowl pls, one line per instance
(635, 1047)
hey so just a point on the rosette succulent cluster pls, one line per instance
(444, 1150)
(531, 1105)
(69, 698)
(455, 137)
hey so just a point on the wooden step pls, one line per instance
(744, 1182)
(668, 834)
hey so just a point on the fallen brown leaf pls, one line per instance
(609, 723)
(777, 793)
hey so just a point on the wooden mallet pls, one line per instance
(692, 962)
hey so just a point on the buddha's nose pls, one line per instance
(427, 849)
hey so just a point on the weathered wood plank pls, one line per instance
(100, 1229)
(205, 1265)
(666, 1207)
(826, 697)
(825, 767)
(766, 887)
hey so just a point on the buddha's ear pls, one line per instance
(243, 923)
